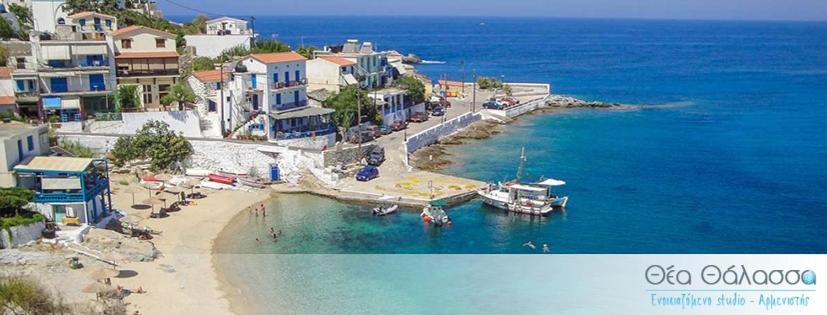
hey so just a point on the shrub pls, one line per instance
(76, 149)
(20, 295)
(489, 83)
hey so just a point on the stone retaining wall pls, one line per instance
(19, 235)
(526, 107)
(346, 156)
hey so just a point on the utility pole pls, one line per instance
(462, 75)
(359, 120)
(221, 91)
(474, 92)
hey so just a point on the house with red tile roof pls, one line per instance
(148, 58)
(330, 73)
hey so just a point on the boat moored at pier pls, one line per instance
(533, 199)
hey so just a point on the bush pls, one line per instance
(414, 87)
(489, 83)
(203, 63)
(126, 97)
(13, 199)
(77, 149)
(20, 295)
(18, 220)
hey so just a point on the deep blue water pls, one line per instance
(727, 155)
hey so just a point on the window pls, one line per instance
(82, 22)
(30, 143)
(109, 23)
(21, 85)
(298, 75)
(59, 85)
(21, 63)
(31, 86)
(275, 78)
(147, 94)
(160, 43)
(61, 21)
(126, 43)
(96, 82)
(278, 99)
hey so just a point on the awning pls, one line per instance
(350, 79)
(55, 163)
(527, 188)
(552, 182)
(55, 52)
(51, 102)
(399, 67)
(89, 50)
(60, 183)
(70, 103)
(306, 112)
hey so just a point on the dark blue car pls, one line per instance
(367, 173)
(438, 111)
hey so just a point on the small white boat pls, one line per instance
(197, 172)
(433, 213)
(383, 211)
(252, 182)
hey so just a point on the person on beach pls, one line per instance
(258, 241)
(546, 249)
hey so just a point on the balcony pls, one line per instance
(148, 73)
(93, 188)
(305, 132)
(288, 85)
(27, 97)
(288, 106)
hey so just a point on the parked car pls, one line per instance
(512, 100)
(362, 137)
(419, 117)
(438, 111)
(385, 129)
(377, 156)
(375, 131)
(367, 173)
(399, 125)
(508, 102)
(492, 105)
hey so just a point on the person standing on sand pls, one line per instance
(546, 250)
(258, 241)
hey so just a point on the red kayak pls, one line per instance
(229, 180)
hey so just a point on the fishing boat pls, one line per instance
(435, 214)
(533, 199)
(383, 211)
(222, 179)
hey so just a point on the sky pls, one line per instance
(808, 10)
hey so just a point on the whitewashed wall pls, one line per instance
(431, 135)
(213, 45)
(19, 235)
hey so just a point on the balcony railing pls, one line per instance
(305, 132)
(91, 191)
(287, 85)
(286, 106)
(144, 73)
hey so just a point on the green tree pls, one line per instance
(414, 87)
(102, 6)
(4, 56)
(6, 30)
(180, 94)
(163, 147)
(507, 89)
(307, 51)
(126, 97)
(269, 46)
(13, 199)
(345, 105)
(24, 19)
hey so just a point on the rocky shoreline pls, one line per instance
(436, 156)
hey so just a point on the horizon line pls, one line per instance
(513, 17)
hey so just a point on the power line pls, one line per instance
(191, 8)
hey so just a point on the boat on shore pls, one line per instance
(221, 179)
(252, 182)
(532, 199)
(435, 214)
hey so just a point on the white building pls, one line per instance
(76, 67)
(20, 142)
(372, 67)
(394, 104)
(222, 34)
(206, 86)
(47, 14)
(330, 73)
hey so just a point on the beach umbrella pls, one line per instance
(175, 190)
(163, 177)
(132, 190)
(192, 183)
(103, 273)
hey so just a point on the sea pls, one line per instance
(723, 151)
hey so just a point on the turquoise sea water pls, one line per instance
(726, 155)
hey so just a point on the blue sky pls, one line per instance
(650, 9)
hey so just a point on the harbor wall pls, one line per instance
(431, 135)
(526, 107)
(19, 235)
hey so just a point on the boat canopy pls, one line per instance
(528, 188)
(552, 182)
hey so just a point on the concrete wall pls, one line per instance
(431, 135)
(323, 74)
(19, 235)
(213, 45)
(145, 42)
(525, 107)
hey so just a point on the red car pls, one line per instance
(419, 117)
(399, 125)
